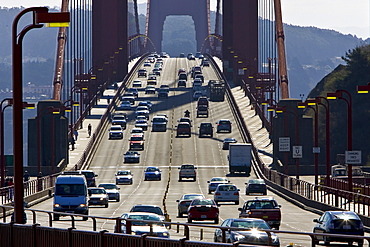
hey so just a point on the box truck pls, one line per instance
(240, 157)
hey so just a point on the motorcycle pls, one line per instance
(187, 113)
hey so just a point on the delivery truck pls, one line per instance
(240, 158)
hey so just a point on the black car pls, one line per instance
(206, 129)
(181, 83)
(339, 222)
(226, 143)
(256, 186)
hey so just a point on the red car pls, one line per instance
(203, 209)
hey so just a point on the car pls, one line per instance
(183, 128)
(150, 90)
(152, 173)
(214, 182)
(201, 56)
(226, 142)
(151, 59)
(181, 70)
(116, 132)
(140, 117)
(137, 140)
(182, 55)
(256, 186)
(162, 93)
(345, 223)
(140, 228)
(183, 76)
(112, 191)
(253, 234)
(187, 171)
(205, 63)
(184, 202)
(198, 79)
(137, 83)
(137, 130)
(146, 103)
(206, 129)
(152, 80)
(162, 115)
(131, 157)
(185, 119)
(226, 193)
(124, 177)
(203, 101)
(165, 87)
(198, 54)
(128, 97)
(157, 71)
(98, 196)
(190, 56)
(90, 176)
(197, 95)
(149, 209)
(223, 125)
(119, 119)
(134, 91)
(142, 113)
(147, 64)
(141, 123)
(159, 123)
(181, 83)
(158, 65)
(203, 209)
(125, 105)
(141, 72)
(142, 108)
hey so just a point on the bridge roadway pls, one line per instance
(163, 149)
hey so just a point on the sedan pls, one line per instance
(345, 223)
(226, 143)
(223, 125)
(203, 209)
(112, 191)
(137, 83)
(184, 202)
(197, 95)
(226, 193)
(255, 186)
(253, 233)
(131, 157)
(124, 177)
(139, 228)
(116, 132)
(150, 90)
(214, 182)
(98, 196)
(152, 173)
(125, 105)
(149, 209)
(141, 124)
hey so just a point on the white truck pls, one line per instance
(240, 157)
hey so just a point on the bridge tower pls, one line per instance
(160, 9)
(240, 38)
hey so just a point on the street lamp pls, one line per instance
(363, 89)
(40, 15)
(69, 109)
(339, 94)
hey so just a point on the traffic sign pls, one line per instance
(353, 157)
(284, 144)
(297, 152)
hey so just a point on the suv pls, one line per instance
(187, 171)
(223, 125)
(183, 128)
(256, 186)
(339, 222)
(159, 123)
(137, 141)
(205, 129)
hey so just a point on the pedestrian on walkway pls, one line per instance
(89, 129)
(108, 100)
(75, 134)
(72, 141)
(26, 176)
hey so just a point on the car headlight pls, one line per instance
(165, 234)
(238, 237)
(82, 205)
(102, 199)
(274, 239)
(56, 205)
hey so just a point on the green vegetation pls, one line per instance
(347, 77)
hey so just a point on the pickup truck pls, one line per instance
(187, 171)
(263, 208)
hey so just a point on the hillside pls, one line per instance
(346, 77)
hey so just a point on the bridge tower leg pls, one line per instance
(109, 38)
(240, 38)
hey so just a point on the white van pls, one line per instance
(70, 195)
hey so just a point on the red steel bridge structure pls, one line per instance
(104, 36)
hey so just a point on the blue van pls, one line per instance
(71, 195)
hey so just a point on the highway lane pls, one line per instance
(163, 149)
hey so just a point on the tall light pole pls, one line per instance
(339, 94)
(40, 15)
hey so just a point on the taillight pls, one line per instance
(217, 193)
(183, 203)
(236, 193)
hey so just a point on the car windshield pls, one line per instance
(202, 202)
(224, 122)
(260, 205)
(147, 209)
(151, 169)
(108, 186)
(192, 197)
(159, 119)
(251, 224)
(136, 138)
(256, 181)
(187, 167)
(115, 128)
(70, 189)
(97, 191)
(143, 217)
(226, 188)
(89, 174)
(229, 140)
(141, 121)
(123, 173)
(218, 179)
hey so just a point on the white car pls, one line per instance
(137, 83)
(116, 132)
(141, 124)
(112, 191)
(124, 177)
(215, 181)
(137, 130)
(226, 193)
(125, 105)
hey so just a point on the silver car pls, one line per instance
(184, 202)
(214, 182)
(112, 191)
(226, 193)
